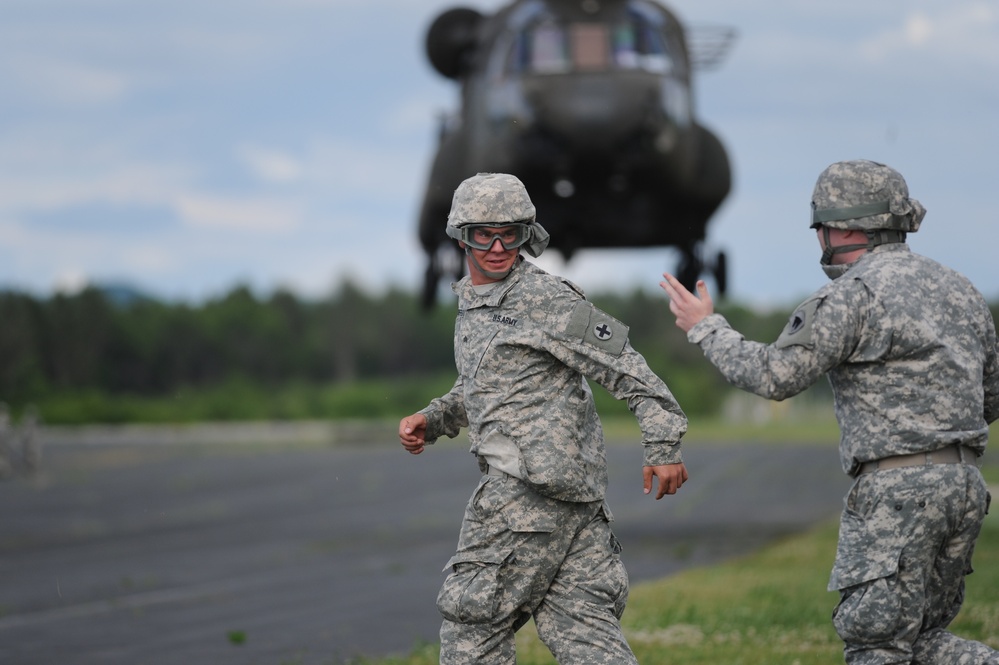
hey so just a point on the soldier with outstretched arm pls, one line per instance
(909, 347)
(536, 540)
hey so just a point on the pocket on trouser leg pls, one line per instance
(618, 579)
(603, 580)
(472, 591)
(868, 614)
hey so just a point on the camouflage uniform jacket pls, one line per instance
(909, 347)
(523, 352)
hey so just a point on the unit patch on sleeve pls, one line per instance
(589, 325)
(798, 331)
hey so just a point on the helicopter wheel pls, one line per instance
(459, 266)
(689, 270)
(443, 261)
(720, 270)
(430, 278)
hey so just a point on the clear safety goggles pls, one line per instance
(483, 237)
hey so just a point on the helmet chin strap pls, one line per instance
(874, 238)
(488, 273)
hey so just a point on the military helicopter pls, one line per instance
(589, 103)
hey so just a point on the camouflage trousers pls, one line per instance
(906, 540)
(521, 554)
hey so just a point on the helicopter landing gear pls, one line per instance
(445, 260)
(428, 297)
(689, 269)
(692, 265)
(719, 268)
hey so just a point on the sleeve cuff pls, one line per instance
(705, 327)
(433, 417)
(657, 454)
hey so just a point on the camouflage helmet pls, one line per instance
(865, 195)
(496, 199)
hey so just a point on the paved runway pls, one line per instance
(160, 553)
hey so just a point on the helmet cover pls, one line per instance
(496, 199)
(865, 195)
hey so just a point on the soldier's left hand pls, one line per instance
(689, 309)
(670, 476)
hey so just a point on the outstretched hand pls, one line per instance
(688, 308)
(670, 476)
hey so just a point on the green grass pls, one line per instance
(238, 400)
(768, 608)
(814, 426)
(772, 607)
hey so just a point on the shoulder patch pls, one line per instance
(591, 326)
(798, 331)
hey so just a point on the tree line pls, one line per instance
(94, 340)
(144, 346)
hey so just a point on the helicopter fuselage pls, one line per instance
(590, 105)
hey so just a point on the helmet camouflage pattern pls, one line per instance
(865, 195)
(496, 199)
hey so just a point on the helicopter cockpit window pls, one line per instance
(544, 50)
(550, 47)
(590, 49)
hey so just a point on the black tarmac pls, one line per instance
(137, 552)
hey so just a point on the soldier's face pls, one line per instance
(495, 260)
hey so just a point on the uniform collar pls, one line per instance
(890, 248)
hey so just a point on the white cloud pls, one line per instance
(420, 114)
(959, 34)
(351, 168)
(271, 165)
(54, 81)
(918, 29)
(68, 259)
(143, 184)
(257, 215)
(51, 164)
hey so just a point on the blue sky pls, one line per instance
(186, 146)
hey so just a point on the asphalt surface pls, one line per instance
(136, 552)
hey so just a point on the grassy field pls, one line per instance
(770, 608)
